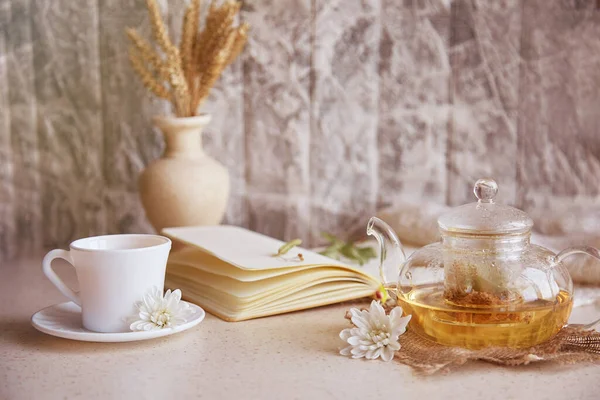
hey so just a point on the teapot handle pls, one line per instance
(391, 252)
(590, 251)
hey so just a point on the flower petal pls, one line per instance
(387, 354)
(346, 351)
(394, 345)
(360, 318)
(379, 320)
(142, 326)
(345, 334)
(150, 299)
(172, 302)
(400, 327)
(354, 340)
(356, 332)
(395, 315)
(356, 351)
(373, 354)
(361, 322)
(376, 310)
(355, 312)
(134, 325)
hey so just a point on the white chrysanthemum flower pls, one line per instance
(158, 312)
(375, 334)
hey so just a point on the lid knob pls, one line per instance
(485, 190)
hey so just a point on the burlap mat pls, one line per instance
(570, 345)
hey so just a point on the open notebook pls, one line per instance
(231, 272)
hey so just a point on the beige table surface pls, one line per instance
(284, 357)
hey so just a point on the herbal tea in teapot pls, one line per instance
(525, 326)
(484, 284)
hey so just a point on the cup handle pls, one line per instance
(592, 252)
(50, 274)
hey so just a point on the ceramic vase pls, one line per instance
(185, 187)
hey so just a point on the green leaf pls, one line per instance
(331, 239)
(287, 247)
(367, 252)
(329, 253)
(351, 252)
(338, 248)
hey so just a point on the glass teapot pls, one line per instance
(484, 284)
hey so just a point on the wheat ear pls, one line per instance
(148, 79)
(158, 27)
(214, 70)
(216, 37)
(218, 21)
(241, 38)
(188, 35)
(144, 49)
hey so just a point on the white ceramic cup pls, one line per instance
(114, 272)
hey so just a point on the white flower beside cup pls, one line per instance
(157, 312)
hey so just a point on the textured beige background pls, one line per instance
(337, 108)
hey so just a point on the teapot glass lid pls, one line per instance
(485, 217)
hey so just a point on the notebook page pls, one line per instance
(246, 249)
(263, 288)
(193, 257)
(343, 293)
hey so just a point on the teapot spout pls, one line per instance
(391, 253)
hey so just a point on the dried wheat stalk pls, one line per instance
(185, 74)
(188, 35)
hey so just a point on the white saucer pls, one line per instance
(64, 320)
